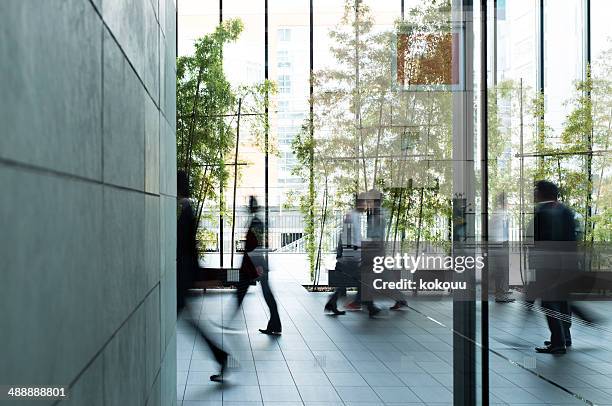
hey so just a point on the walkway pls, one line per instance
(404, 358)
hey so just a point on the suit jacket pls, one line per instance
(554, 256)
(254, 240)
(186, 250)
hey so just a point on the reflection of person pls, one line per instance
(499, 249)
(254, 240)
(348, 253)
(257, 265)
(186, 266)
(554, 233)
(371, 246)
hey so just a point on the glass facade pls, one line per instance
(399, 100)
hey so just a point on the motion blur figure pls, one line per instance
(253, 240)
(554, 234)
(186, 267)
(499, 258)
(348, 255)
(257, 266)
(371, 246)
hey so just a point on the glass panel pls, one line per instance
(536, 283)
(383, 186)
(563, 58)
(290, 68)
(196, 19)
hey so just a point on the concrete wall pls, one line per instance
(87, 199)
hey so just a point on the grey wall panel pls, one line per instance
(168, 307)
(170, 28)
(155, 5)
(50, 95)
(165, 158)
(123, 120)
(152, 162)
(89, 389)
(155, 393)
(126, 22)
(162, 16)
(124, 363)
(123, 247)
(168, 375)
(152, 242)
(170, 84)
(84, 153)
(168, 230)
(151, 51)
(162, 73)
(152, 308)
(51, 267)
(167, 152)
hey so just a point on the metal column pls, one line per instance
(464, 302)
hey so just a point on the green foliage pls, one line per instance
(368, 135)
(573, 162)
(207, 114)
(303, 146)
(203, 97)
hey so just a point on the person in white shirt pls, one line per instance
(348, 255)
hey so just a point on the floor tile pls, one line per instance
(357, 394)
(279, 393)
(241, 393)
(318, 394)
(396, 394)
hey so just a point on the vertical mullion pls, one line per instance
(221, 225)
(484, 220)
(266, 131)
(311, 79)
(587, 32)
(541, 50)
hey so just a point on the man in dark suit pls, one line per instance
(186, 266)
(257, 260)
(554, 232)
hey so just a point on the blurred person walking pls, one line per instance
(371, 246)
(253, 240)
(186, 267)
(348, 256)
(255, 264)
(554, 234)
(499, 249)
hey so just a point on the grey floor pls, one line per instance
(403, 358)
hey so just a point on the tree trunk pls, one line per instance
(380, 113)
(323, 220)
(194, 112)
(235, 181)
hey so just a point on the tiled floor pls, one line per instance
(403, 358)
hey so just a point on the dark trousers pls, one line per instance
(274, 324)
(369, 304)
(559, 329)
(242, 287)
(499, 267)
(218, 353)
(333, 299)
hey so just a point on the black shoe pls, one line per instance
(551, 350)
(334, 310)
(374, 312)
(269, 332)
(398, 305)
(567, 343)
(219, 377)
